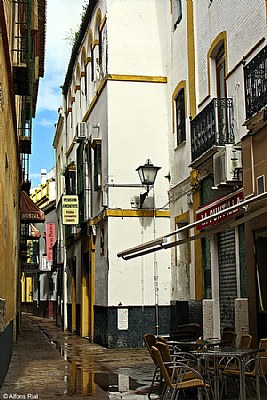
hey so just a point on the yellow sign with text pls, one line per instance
(70, 210)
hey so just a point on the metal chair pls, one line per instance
(151, 340)
(178, 381)
(228, 338)
(250, 368)
(245, 341)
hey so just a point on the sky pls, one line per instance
(63, 18)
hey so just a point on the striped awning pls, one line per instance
(29, 212)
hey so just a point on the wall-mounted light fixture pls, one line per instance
(147, 174)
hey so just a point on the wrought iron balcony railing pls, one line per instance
(212, 126)
(255, 74)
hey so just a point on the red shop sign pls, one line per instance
(212, 208)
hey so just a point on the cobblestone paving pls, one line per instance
(48, 363)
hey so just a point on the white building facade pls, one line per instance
(115, 117)
(211, 43)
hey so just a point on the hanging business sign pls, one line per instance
(212, 208)
(50, 238)
(70, 210)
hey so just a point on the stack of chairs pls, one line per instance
(151, 340)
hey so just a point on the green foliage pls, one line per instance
(72, 35)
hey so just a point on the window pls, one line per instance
(97, 166)
(85, 78)
(99, 47)
(221, 87)
(260, 184)
(92, 65)
(176, 12)
(70, 179)
(220, 73)
(180, 117)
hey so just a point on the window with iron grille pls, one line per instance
(180, 117)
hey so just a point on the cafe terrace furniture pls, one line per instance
(259, 368)
(241, 355)
(245, 341)
(170, 359)
(178, 382)
(228, 338)
(150, 340)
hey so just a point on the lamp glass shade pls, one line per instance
(148, 173)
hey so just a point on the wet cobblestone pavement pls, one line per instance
(48, 363)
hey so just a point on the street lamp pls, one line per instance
(147, 174)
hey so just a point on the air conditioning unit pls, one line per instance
(227, 165)
(81, 130)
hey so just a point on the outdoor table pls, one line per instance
(198, 343)
(241, 355)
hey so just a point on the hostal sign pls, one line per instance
(70, 210)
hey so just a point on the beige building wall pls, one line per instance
(9, 179)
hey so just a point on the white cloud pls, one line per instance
(35, 175)
(62, 16)
(46, 122)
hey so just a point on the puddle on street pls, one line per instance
(82, 380)
(87, 382)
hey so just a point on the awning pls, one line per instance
(34, 232)
(29, 212)
(232, 216)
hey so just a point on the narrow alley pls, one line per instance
(48, 363)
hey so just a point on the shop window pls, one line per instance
(180, 117)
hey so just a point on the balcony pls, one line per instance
(255, 74)
(213, 126)
(25, 144)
